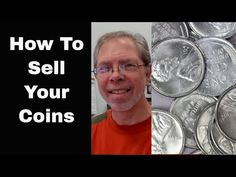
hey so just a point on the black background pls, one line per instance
(45, 138)
(74, 139)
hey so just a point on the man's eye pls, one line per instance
(129, 66)
(103, 69)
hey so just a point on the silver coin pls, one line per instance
(177, 67)
(163, 30)
(188, 108)
(217, 29)
(232, 40)
(226, 113)
(221, 142)
(168, 135)
(202, 130)
(212, 140)
(192, 35)
(220, 60)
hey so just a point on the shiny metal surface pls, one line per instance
(219, 75)
(188, 109)
(220, 60)
(226, 114)
(177, 67)
(232, 40)
(221, 142)
(168, 135)
(202, 129)
(163, 30)
(217, 29)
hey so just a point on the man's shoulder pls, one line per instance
(99, 117)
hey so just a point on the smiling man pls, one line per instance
(122, 69)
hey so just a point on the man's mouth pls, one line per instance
(119, 91)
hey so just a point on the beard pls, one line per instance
(125, 106)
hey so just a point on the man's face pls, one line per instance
(121, 90)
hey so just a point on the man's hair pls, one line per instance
(137, 38)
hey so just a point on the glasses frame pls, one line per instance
(121, 68)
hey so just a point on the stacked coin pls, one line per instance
(195, 63)
(168, 136)
(188, 109)
(203, 129)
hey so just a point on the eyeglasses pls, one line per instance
(127, 67)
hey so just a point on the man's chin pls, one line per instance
(121, 107)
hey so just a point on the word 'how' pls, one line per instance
(20, 44)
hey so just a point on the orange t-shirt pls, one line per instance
(111, 138)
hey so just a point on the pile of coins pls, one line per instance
(195, 63)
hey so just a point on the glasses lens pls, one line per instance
(103, 69)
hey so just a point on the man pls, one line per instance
(122, 69)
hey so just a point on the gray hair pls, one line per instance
(137, 38)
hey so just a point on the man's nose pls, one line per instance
(116, 75)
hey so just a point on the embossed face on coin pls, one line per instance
(177, 67)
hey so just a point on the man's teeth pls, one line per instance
(119, 91)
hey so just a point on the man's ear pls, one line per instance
(148, 72)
